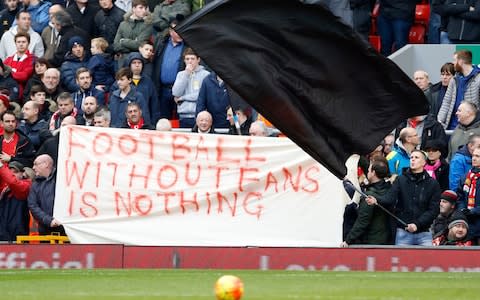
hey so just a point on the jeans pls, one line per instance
(434, 29)
(404, 238)
(444, 38)
(393, 34)
(187, 122)
(168, 107)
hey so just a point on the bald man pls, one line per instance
(42, 196)
(399, 157)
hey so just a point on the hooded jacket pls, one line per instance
(186, 87)
(459, 166)
(131, 33)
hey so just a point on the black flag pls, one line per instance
(307, 73)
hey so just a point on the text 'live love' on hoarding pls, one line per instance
(236, 191)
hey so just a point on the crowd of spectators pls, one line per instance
(424, 177)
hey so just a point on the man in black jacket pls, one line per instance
(414, 195)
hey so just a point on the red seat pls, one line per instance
(417, 34)
(175, 123)
(422, 14)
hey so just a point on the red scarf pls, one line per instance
(470, 187)
(139, 125)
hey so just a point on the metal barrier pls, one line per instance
(52, 239)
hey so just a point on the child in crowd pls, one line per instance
(101, 65)
(38, 94)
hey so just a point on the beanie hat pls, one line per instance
(458, 220)
(5, 100)
(450, 196)
(75, 40)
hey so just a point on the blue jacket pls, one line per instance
(460, 164)
(39, 15)
(68, 70)
(37, 132)
(41, 200)
(78, 97)
(103, 71)
(117, 106)
(398, 159)
(213, 97)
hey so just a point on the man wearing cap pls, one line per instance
(42, 196)
(414, 194)
(456, 233)
(74, 60)
(14, 145)
(448, 203)
(14, 216)
(437, 167)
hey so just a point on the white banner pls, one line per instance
(141, 187)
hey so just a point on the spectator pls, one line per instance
(101, 65)
(7, 81)
(42, 196)
(465, 86)
(469, 199)
(447, 207)
(427, 128)
(168, 62)
(146, 51)
(35, 128)
(83, 15)
(74, 60)
(125, 94)
(136, 28)
(66, 108)
(7, 15)
(8, 45)
(50, 34)
(399, 157)
(143, 84)
(468, 124)
(462, 161)
(422, 80)
(240, 121)
(187, 87)
(40, 66)
(51, 83)
(415, 196)
(436, 93)
(394, 22)
(372, 225)
(64, 25)
(89, 107)
(258, 128)
(38, 95)
(107, 21)
(213, 97)
(38, 10)
(455, 235)
(439, 7)
(163, 125)
(134, 118)
(463, 25)
(166, 10)
(102, 118)
(50, 146)
(21, 62)
(85, 89)
(14, 145)
(388, 144)
(203, 123)
(361, 16)
(14, 214)
(437, 167)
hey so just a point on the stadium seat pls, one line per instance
(175, 123)
(375, 41)
(420, 26)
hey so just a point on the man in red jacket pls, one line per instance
(14, 216)
(22, 62)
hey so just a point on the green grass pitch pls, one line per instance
(198, 284)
